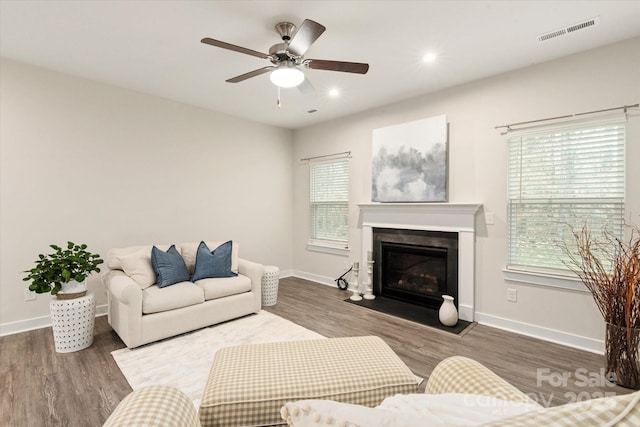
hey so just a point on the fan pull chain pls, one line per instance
(278, 100)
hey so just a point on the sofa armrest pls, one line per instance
(254, 271)
(124, 298)
(123, 288)
(459, 374)
(155, 406)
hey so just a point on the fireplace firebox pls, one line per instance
(415, 266)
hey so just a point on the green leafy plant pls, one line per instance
(62, 266)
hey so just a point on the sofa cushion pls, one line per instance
(213, 263)
(183, 294)
(168, 266)
(189, 251)
(137, 265)
(224, 286)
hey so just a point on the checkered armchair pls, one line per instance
(461, 375)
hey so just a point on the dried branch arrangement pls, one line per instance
(610, 268)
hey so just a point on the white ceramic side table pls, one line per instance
(72, 321)
(270, 282)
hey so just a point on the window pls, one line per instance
(562, 176)
(329, 205)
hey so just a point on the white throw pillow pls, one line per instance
(405, 410)
(326, 413)
(137, 265)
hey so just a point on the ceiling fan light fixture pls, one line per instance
(286, 77)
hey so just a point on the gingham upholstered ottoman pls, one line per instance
(248, 384)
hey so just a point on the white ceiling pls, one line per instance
(154, 46)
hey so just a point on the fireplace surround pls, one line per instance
(433, 217)
(415, 266)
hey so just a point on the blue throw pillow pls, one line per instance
(216, 263)
(168, 266)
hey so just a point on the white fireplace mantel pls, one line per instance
(452, 217)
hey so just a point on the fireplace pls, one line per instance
(456, 218)
(415, 266)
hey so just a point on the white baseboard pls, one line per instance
(286, 273)
(465, 312)
(323, 280)
(564, 338)
(37, 323)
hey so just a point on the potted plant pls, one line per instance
(63, 272)
(610, 268)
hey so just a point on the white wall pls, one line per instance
(109, 167)
(594, 80)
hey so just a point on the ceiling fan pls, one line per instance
(288, 57)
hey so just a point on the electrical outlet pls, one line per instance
(512, 295)
(28, 295)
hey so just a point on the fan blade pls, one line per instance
(218, 43)
(302, 40)
(250, 74)
(345, 67)
(306, 87)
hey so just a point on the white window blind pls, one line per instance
(561, 177)
(329, 199)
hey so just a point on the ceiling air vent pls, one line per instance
(570, 29)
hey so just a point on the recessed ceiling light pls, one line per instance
(429, 57)
(334, 92)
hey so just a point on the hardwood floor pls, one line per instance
(40, 387)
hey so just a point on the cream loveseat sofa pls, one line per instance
(141, 312)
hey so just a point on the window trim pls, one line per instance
(539, 278)
(326, 247)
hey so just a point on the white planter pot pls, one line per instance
(73, 289)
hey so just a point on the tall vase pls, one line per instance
(448, 314)
(623, 355)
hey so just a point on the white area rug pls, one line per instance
(184, 361)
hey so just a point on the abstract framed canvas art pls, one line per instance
(409, 162)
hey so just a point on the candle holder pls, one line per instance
(355, 286)
(369, 292)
